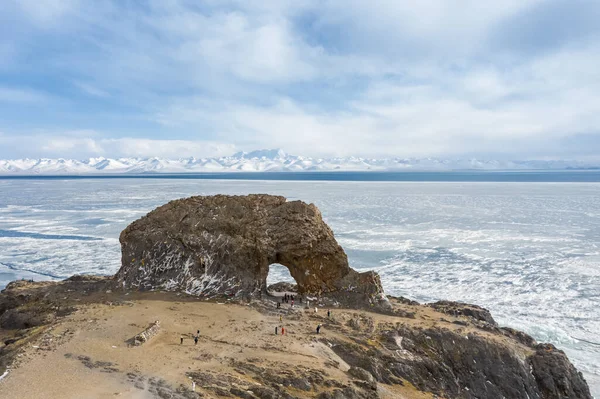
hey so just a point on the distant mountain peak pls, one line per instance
(270, 160)
(272, 154)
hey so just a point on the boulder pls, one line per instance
(348, 393)
(14, 319)
(464, 309)
(361, 374)
(555, 375)
(224, 245)
(282, 286)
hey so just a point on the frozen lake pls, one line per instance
(529, 252)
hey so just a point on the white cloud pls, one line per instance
(431, 30)
(84, 144)
(314, 77)
(249, 47)
(525, 108)
(165, 148)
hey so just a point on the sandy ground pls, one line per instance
(87, 354)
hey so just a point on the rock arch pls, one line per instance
(225, 244)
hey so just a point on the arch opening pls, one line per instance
(280, 281)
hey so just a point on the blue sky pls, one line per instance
(177, 78)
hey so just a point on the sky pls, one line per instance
(516, 79)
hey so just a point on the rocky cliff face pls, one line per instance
(225, 244)
(477, 359)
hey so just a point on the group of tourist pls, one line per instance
(196, 338)
(283, 329)
(287, 299)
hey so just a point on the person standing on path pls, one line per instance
(292, 303)
(280, 318)
(196, 340)
(276, 330)
(282, 330)
(318, 328)
(328, 313)
(181, 342)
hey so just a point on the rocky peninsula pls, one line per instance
(189, 315)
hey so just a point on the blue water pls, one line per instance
(24, 234)
(528, 251)
(450, 176)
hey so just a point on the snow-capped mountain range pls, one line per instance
(267, 161)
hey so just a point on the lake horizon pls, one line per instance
(496, 176)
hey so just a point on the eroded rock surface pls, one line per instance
(282, 286)
(464, 309)
(225, 244)
(451, 365)
(555, 375)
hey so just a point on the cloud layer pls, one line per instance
(177, 78)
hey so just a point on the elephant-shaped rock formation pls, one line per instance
(207, 245)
